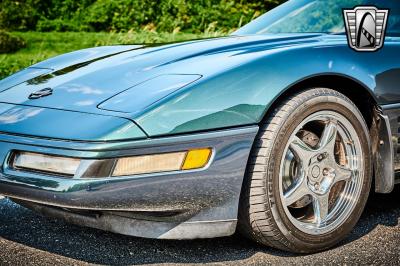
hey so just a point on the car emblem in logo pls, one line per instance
(40, 93)
(366, 27)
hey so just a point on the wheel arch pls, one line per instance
(346, 85)
(365, 100)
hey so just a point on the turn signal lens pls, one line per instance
(149, 164)
(196, 159)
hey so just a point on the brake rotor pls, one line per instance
(340, 156)
(311, 140)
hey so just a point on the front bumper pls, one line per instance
(202, 196)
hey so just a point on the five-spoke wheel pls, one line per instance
(309, 173)
(320, 177)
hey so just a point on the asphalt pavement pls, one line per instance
(29, 239)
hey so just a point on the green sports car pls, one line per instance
(277, 130)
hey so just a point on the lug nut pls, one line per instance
(322, 156)
(316, 186)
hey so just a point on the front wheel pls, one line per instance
(309, 174)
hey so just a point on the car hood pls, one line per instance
(86, 80)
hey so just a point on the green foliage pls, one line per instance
(125, 15)
(10, 43)
(17, 15)
(41, 46)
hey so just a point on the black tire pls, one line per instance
(261, 214)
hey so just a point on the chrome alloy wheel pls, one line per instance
(321, 173)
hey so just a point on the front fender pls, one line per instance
(242, 95)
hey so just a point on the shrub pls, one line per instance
(17, 15)
(10, 43)
(170, 15)
(124, 15)
(119, 15)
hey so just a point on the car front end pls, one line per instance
(174, 187)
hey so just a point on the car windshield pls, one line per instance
(317, 16)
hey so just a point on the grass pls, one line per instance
(41, 46)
